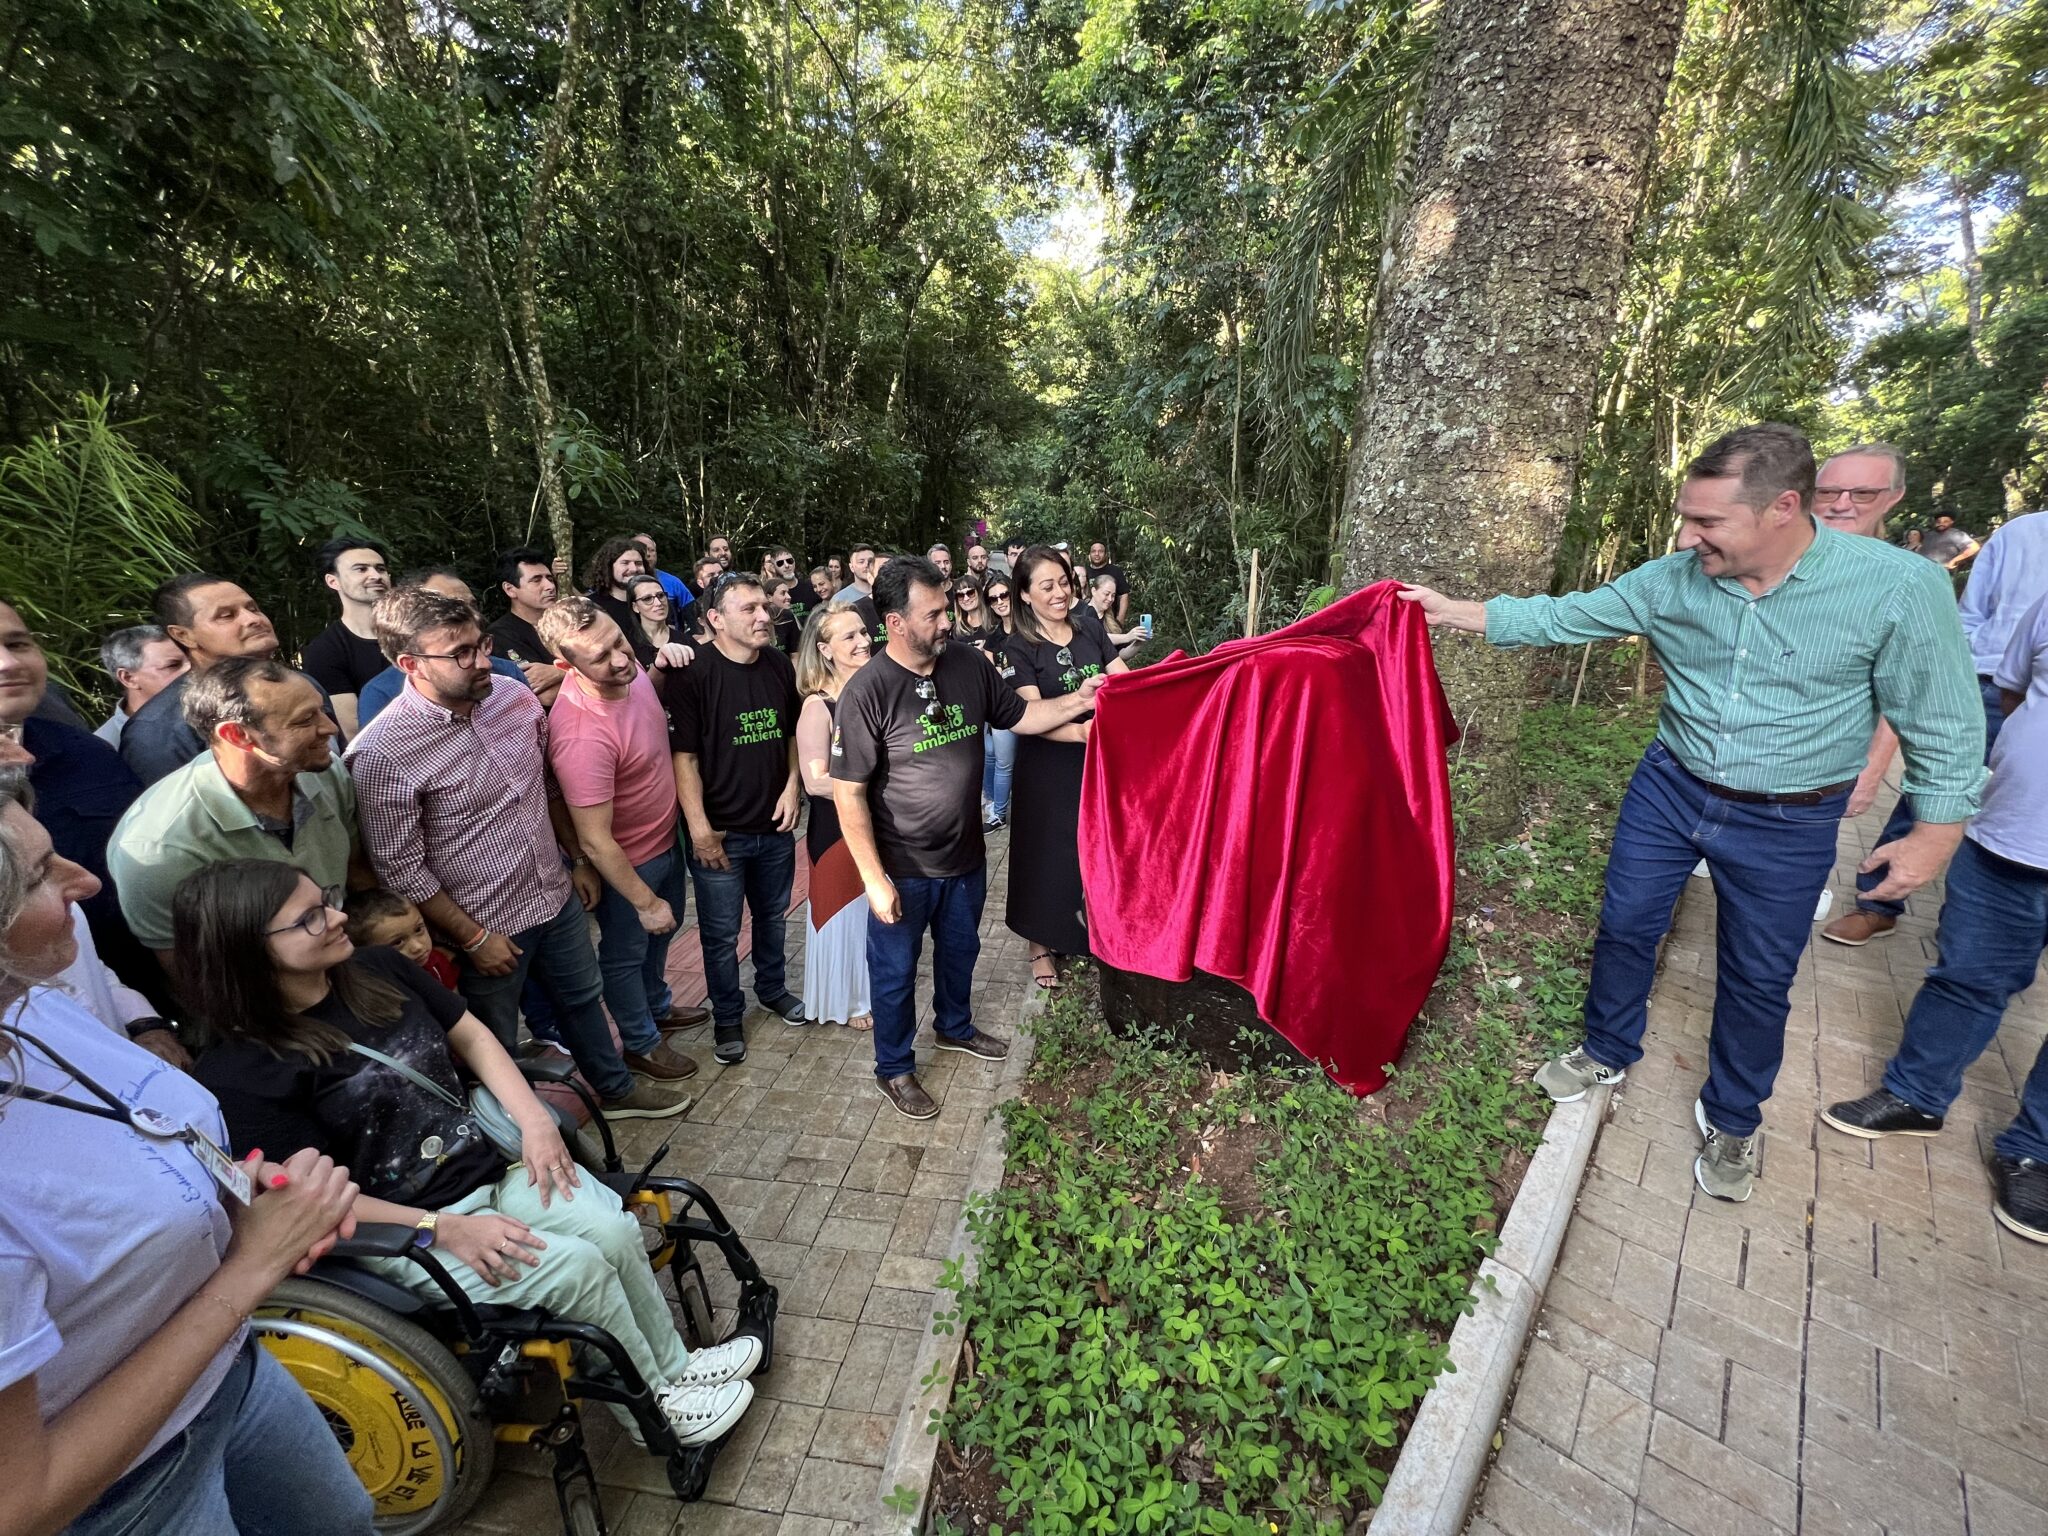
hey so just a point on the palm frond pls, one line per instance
(1355, 137)
(93, 525)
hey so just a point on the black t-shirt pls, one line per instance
(994, 644)
(916, 743)
(737, 721)
(516, 640)
(398, 1141)
(1055, 670)
(789, 631)
(1123, 584)
(340, 660)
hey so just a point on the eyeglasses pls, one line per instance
(316, 920)
(463, 655)
(788, 560)
(1861, 495)
(651, 597)
(999, 597)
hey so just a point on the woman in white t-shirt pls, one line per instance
(131, 1396)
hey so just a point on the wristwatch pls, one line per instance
(423, 1230)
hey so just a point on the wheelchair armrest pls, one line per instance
(547, 1069)
(377, 1240)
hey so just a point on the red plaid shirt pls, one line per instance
(459, 803)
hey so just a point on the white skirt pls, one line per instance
(836, 966)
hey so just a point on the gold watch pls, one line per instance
(424, 1229)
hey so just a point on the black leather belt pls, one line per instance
(1757, 797)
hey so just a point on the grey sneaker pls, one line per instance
(1568, 1078)
(1727, 1169)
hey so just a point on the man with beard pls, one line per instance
(269, 787)
(459, 817)
(212, 619)
(344, 655)
(732, 728)
(1781, 642)
(608, 749)
(906, 769)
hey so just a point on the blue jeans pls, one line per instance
(1993, 928)
(951, 909)
(1902, 821)
(258, 1461)
(558, 955)
(997, 764)
(1769, 863)
(757, 876)
(633, 961)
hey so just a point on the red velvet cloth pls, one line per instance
(1278, 813)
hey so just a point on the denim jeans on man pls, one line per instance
(1769, 863)
(557, 954)
(951, 909)
(1993, 929)
(1901, 820)
(258, 1461)
(757, 876)
(635, 962)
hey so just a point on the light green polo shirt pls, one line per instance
(193, 817)
(1779, 692)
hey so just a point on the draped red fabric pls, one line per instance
(1278, 813)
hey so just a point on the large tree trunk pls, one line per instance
(1496, 299)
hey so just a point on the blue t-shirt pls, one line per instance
(383, 688)
(104, 1232)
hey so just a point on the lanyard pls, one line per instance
(153, 1123)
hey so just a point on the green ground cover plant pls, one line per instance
(1209, 1302)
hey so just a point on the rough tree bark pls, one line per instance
(1496, 298)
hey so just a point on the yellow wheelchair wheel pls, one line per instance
(406, 1413)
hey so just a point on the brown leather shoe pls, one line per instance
(974, 1043)
(663, 1064)
(682, 1018)
(1858, 927)
(907, 1097)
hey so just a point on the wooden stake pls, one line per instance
(1251, 601)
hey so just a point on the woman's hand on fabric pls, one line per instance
(494, 1246)
(300, 1210)
(549, 1167)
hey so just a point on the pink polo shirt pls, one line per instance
(617, 750)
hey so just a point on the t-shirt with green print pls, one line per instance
(1054, 669)
(737, 720)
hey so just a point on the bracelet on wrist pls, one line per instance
(216, 1299)
(476, 943)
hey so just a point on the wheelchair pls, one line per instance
(420, 1393)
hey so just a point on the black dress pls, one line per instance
(1045, 903)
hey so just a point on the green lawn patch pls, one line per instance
(1209, 1302)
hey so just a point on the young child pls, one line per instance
(385, 917)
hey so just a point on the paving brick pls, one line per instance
(1691, 1507)
(1691, 1383)
(1599, 1507)
(1644, 1281)
(1764, 1493)
(848, 1297)
(1996, 1511)
(1597, 1353)
(1548, 1395)
(1589, 1256)
(1768, 1357)
(1634, 1333)
(1754, 1312)
(1613, 1428)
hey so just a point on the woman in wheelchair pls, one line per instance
(312, 1042)
(131, 1397)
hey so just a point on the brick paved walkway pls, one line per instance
(1860, 1350)
(849, 1209)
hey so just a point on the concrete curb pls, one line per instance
(914, 1447)
(1444, 1457)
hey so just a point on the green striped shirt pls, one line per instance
(1780, 693)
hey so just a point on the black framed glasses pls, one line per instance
(315, 921)
(462, 655)
(651, 597)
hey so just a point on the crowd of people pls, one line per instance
(304, 903)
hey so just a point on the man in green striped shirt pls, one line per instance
(1782, 642)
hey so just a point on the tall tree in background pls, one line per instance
(1495, 302)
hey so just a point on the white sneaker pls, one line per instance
(734, 1360)
(700, 1415)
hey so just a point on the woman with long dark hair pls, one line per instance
(1057, 642)
(132, 1397)
(315, 1043)
(653, 628)
(971, 619)
(835, 646)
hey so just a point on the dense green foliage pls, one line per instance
(882, 267)
(1160, 1348)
